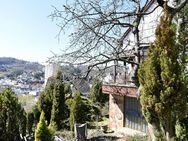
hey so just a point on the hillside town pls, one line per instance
(24, 84)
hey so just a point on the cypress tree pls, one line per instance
(22, 121)
(30, 123)
(75, 111)
(36, 115)
(81, 110)
(12, 116)
(72, 119)
(182, 124)
(67, 88)
(2, 119)
(58, 107)
(163, 87)
(46, 101)
(96, 94)
(42, 132)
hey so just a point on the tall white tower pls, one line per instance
(51, 70)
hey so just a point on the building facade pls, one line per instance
(51, 70)
(124, 105)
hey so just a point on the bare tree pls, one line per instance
(100, 27)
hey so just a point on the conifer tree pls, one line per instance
(72, 120)
(46, 100)
(75, 111)
(163, 87)
(67, 88)
(12, 116)
(79, 110)
(30, 123)
(42, 132)
(36, 115)
(22, 121)
(182, 124)
(58, 107)
(96, 94)
(2, 119)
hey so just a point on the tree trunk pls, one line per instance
(154, 132)
(170, 133)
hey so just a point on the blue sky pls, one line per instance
(26, 32)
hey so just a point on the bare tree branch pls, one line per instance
(100, 28)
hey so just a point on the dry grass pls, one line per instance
(27, 101)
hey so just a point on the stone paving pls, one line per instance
(119, 134)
